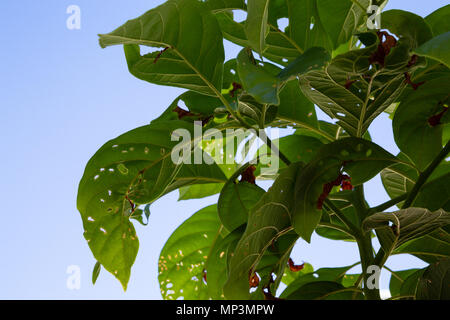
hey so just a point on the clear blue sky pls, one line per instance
(61, 98)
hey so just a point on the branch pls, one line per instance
(425, 175)
(388, 204)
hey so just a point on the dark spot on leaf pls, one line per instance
(327, 187)
(436, 119)
(253, 280)
(415, 86)
(236, 87)
(295, 267)
(249, 175)
(387, 42)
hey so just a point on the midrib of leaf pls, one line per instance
(359, 131)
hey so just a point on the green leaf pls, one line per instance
(434, 282)
(183, 258)
(133, 169)
(222, 5)
(341, 18)
(397, 280)
(198, 191)
(96, 272)
(236, 200)
(335, 275)
(313, 59)
(439, 20)
(295, 107)
(267, 221)
(305, 26)
(399, 178)
(279, 47)
(360, 158)
(349, 90)
(257, 80)
(195, 54)
(411, 123)
(256, 27)
(409, 286)
(290, 276)
(437, 48)
(325, 290)
(435, 194)
(407, 224)
(430, 248)
(406, 25)
(218, 260)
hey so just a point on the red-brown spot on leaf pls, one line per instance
(253, 280)
(295, 267)
(436, 119)
(249, 175)
(415, 86)
(236, 87)
(387, 42)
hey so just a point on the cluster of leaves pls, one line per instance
(326, 57)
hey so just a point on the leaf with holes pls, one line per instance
(133, 169)
(268, 220)
(190, 61)
(183, 258)
(312, 59)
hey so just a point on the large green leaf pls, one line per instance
(221, 5)
(256, 27)
(413, 131)
(434, 282)
(312, 59)
(236, 200)
(257, 80)
(399, 178)
(350, 89)
(341, 18)
(198, 191)
(218, 261)
(335, 275)
(406, 25)
(439, 20)
(360, 158)
(133, 169)
(295, 108)
(183, 258)
(305, 26)
(279, 47)
(437, 48)
(267, 222)
(325, 290)
(407, 224)
(195, 54)
(397, 280)
(430, 248)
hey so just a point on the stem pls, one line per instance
(362, 117)
(425, 175)
(365, 251)
(262, 135)
(388, 204)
